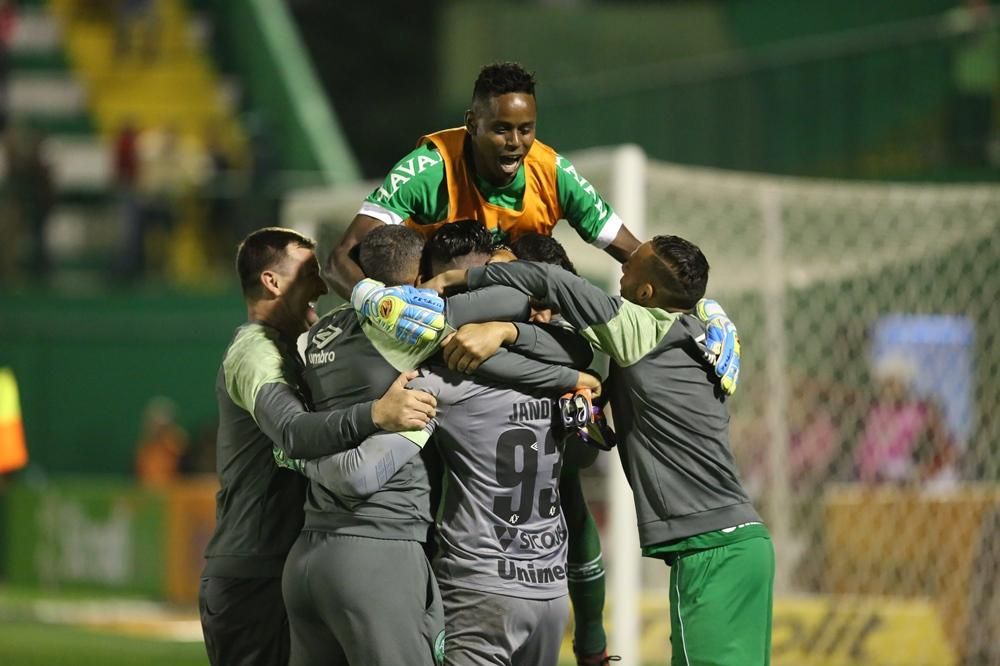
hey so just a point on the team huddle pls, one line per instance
(408, 492)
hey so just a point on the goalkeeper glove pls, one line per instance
(722, 343)
(409, 314)
(585, 420)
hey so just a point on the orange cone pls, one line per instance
(13, 452)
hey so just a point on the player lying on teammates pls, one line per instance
(673, 425)
(493, 170)
(356, 583)
(262, 404)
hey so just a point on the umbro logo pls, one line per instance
(326, 336)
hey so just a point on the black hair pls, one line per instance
(263, 249)
(501, 78)
(454, 240)
(546, 249)
(686, 276)
(391, 254)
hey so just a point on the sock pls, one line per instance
(585, 570)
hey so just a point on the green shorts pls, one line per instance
(721, 601)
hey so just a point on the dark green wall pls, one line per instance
(87, 366)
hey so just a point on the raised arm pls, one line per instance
(508, 368)
(623, 245)
(623, 330)
(342, 271)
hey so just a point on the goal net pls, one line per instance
(865, 425)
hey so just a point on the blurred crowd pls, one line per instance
(181, 201)
(174, 200)
(184, 200)
(883, 434)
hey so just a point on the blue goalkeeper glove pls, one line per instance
(411, 315)
(722, 343)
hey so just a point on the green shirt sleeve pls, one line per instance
(624, 331)
(256, 376)
(583, 207)
(415, 188)
(252, 361)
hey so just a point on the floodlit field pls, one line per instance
(38, 629)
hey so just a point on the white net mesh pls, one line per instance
(865, 425)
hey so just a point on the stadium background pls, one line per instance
(837, 161)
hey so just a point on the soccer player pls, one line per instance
(492, 170)
(357, 584)
(585, 568)
(262, 405)
(585, 562)
(673, 424)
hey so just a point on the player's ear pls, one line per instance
(470, 122)
(271, 282)
(644, 294)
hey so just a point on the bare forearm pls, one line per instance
(342, 272)
(624, 244)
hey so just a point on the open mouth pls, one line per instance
(311, 315)
(509, 164)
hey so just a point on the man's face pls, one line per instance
(301, 286)
(634, 273)
(502, 130)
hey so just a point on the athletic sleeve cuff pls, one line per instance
(608, 232)
(363, 420)
(384, 215)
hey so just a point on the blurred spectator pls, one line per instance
(29, 195)
(199, 458)
(8, 20)
(137, 29)
(814, 436)
(125, 165)
(161, 445)
(125, 160)
(167, 167)
(220, 190)
(905, 438)
(975, 102)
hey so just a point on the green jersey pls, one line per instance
(416, 188)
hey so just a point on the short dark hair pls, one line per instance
(390, 254)
(454, 240)
(686, 277)
(501, 78)
(263, 249)
(546, 249)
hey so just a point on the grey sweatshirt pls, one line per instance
(669, 411)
